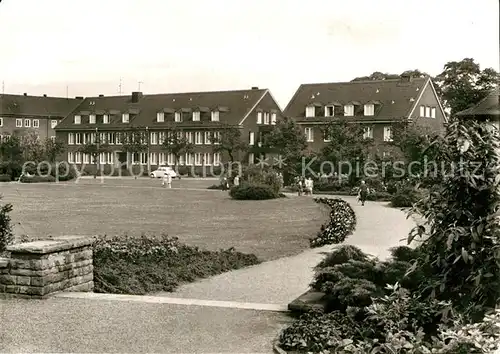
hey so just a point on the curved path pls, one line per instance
(379, 227)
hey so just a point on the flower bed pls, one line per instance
(341, 224)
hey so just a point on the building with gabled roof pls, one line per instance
(20, 114)
(375, 104)
(198, 115)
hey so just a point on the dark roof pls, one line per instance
(233, 107)
(488, 106)
(393, 96)
(37, 106)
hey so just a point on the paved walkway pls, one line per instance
(379, 227)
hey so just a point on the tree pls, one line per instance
(52, 149)
(6, 234)
(33, 149)
(177, 144)
(94, 149)
(347, 147)
(11, 150)
(134, 141)
(228, 140)
(377, 75)
(463, 84)
(289, 141)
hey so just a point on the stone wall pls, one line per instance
(37, 269)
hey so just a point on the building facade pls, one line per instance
(376, 104)
(22, 114)
(197, 116)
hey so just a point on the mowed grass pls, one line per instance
(205, 218)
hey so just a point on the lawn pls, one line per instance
(198, 216)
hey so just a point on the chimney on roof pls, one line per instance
(44, 95)
(136, 96)
(255, 88)
(101, 95)
(25, 94)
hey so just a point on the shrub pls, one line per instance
(13, 169)
(127, 265)
(379, 197)
(341, 224)
(215, 186)
(247, 191)
(405, 197)
(6, 234)
(64, 172)
(341, 255)
(5, 178)
(37, 179)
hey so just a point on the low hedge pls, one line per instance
(137, 266)
(341, 224)
(5, 178)
(248, 191)
(37, 179)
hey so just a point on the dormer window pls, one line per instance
(78, 119)
(160, 117)
(105, 119)
(349, 110)
(215, 116)
(310, 111)
(329, 111)
(178, 117)
(369, 109)
(92, 119)
(125, 118)
(196, 116)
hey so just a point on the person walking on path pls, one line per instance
(363, 192)
(236, 181)
(167, 180)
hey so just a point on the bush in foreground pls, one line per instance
(341, 224)
(127, 265)
(37, 179)
(250, 191)
(6, 234)
(5, 178)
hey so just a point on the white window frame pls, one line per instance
(105, 118)
(71, 138)
(207, 159)
(267, 119)
(217, 137)
(259, 117)
(198, 159)
(125, 118)
(310, 111)
(154, 138)
(92, 119)
(208, 138)
(216, 159)
(78, 139)
(251, 158)
(162, 159)
(198, 138)
(433, 112)
(332, 108)
(161, 137)
(251, 138)
(143, 156)
(215, 116)
(196, 116)
(153, 158)
(273, 118)
(71, 157)
(1, 122)
(367, 132)
(78, 157)
(189, 137)
(309, 133)
(422, 111)
(189, 159)
(178, 117)
(27, 123)
(102, 158)
(110, 158)
(36, 123)
(170, 159)
(77, 119)
(19, 123)
(369, 109)
(326, 138)
(349, 110)
(53, 123)
(160, 117)
(427, 112)
(388, 134)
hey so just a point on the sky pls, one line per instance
(87, 47)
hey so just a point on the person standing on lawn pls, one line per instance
(363, 192)
(236, 181)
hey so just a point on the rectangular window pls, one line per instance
(178, 117)
(197, 159)
(86, 158)
(189, 159)
(387, 134)
(152, 158)
(196, 116)
(208, 139)
(310, 111)
(71, 157)
(273, 118)
(154, 138)
(105, 119)
(215, 116)
(259, 117)
(27, 123)
(36, 123)
(309, 134)
(329, 111)
(369, 110)
(78, 119)
(92, 119)
(198, 138)
(1, 122)
(349, 110)
(78, 157)
(78, 138)
(161, 137)
(71, 138)
(266, 118)
(160, 117)
(102, 158)
(217, 138)
(326, 136)
(144, 158)
(53, 123)
(252, 138)
(161, 159)
(189, 137)
(110, 158)
(368, 133)
(125, 118)
(216, 159)
(170, 159)
(422, 111)
(433, 112)
(207, 159)
(19, 123)
(427, 112)
(251, 158)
